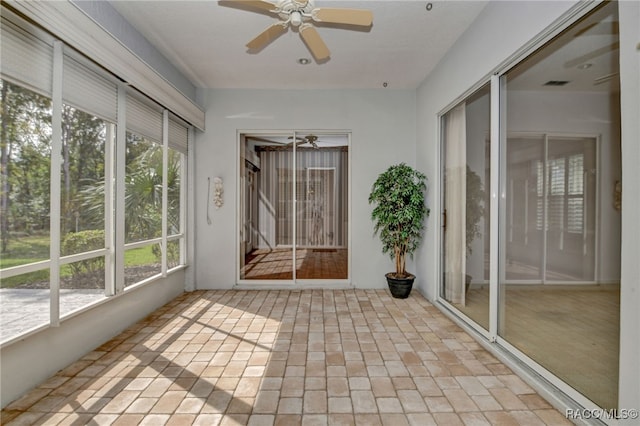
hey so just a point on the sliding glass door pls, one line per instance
(466, 149)
(551, 209)
(294, 206)
(539, 273)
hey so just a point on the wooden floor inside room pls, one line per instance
(311, 263)
(573, 331)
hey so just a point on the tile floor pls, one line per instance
(308, 357)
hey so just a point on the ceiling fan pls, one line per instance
(301, 14)
(608, 30)
(309, 139)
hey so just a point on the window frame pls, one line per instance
(114, 179)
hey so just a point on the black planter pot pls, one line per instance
(400, 287)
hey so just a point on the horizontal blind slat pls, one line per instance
(144, 120)
(88, 91)
(25, 59)
(178, 137)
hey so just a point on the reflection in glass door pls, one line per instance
(321, 213)
(551, 209)
(559, 255)
(554, 178)
(294, 207)
(466, 148)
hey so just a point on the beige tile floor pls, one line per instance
(308, 357)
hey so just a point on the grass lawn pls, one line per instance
(25, 250)
(140, 256)
(21, 251)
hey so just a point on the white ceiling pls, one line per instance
(206, 39)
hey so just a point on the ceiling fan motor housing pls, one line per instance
(300, 14)
(295, 12)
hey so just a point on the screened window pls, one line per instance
(67, 263)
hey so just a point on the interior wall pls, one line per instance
(27, 363)
(383, 132)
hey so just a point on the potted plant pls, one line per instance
(399, 198)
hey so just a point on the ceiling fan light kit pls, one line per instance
(302, 14)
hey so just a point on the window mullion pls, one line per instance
(109, 219)
(121, 151)
(183, 203)
(190, 245)
(497, 133)
(165, 188)
(55, 184)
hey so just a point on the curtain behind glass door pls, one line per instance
(322, 206)
(466, 206)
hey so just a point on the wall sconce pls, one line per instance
(218, 190)
(617, 195)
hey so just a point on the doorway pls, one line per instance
(551, 209)
(294, 198)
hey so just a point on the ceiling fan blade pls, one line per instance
(299, 140)
(600, 28)
(314, 43)
(267, 36)
(258, 4)
(592, 55)
(605, 78)
(360, 17)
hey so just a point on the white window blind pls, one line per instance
(575, 203)
(87, 90)
(25, 60)
(576, 174)
(178, 136)
(143, 119)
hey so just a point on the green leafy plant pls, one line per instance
(173, 252)
(80, 242)
(399, 212)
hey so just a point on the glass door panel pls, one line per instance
(294, 206)
(525, 210)
(559, 268)
(321, 206)
(571, 209)
(266, 207)
(466, 200)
